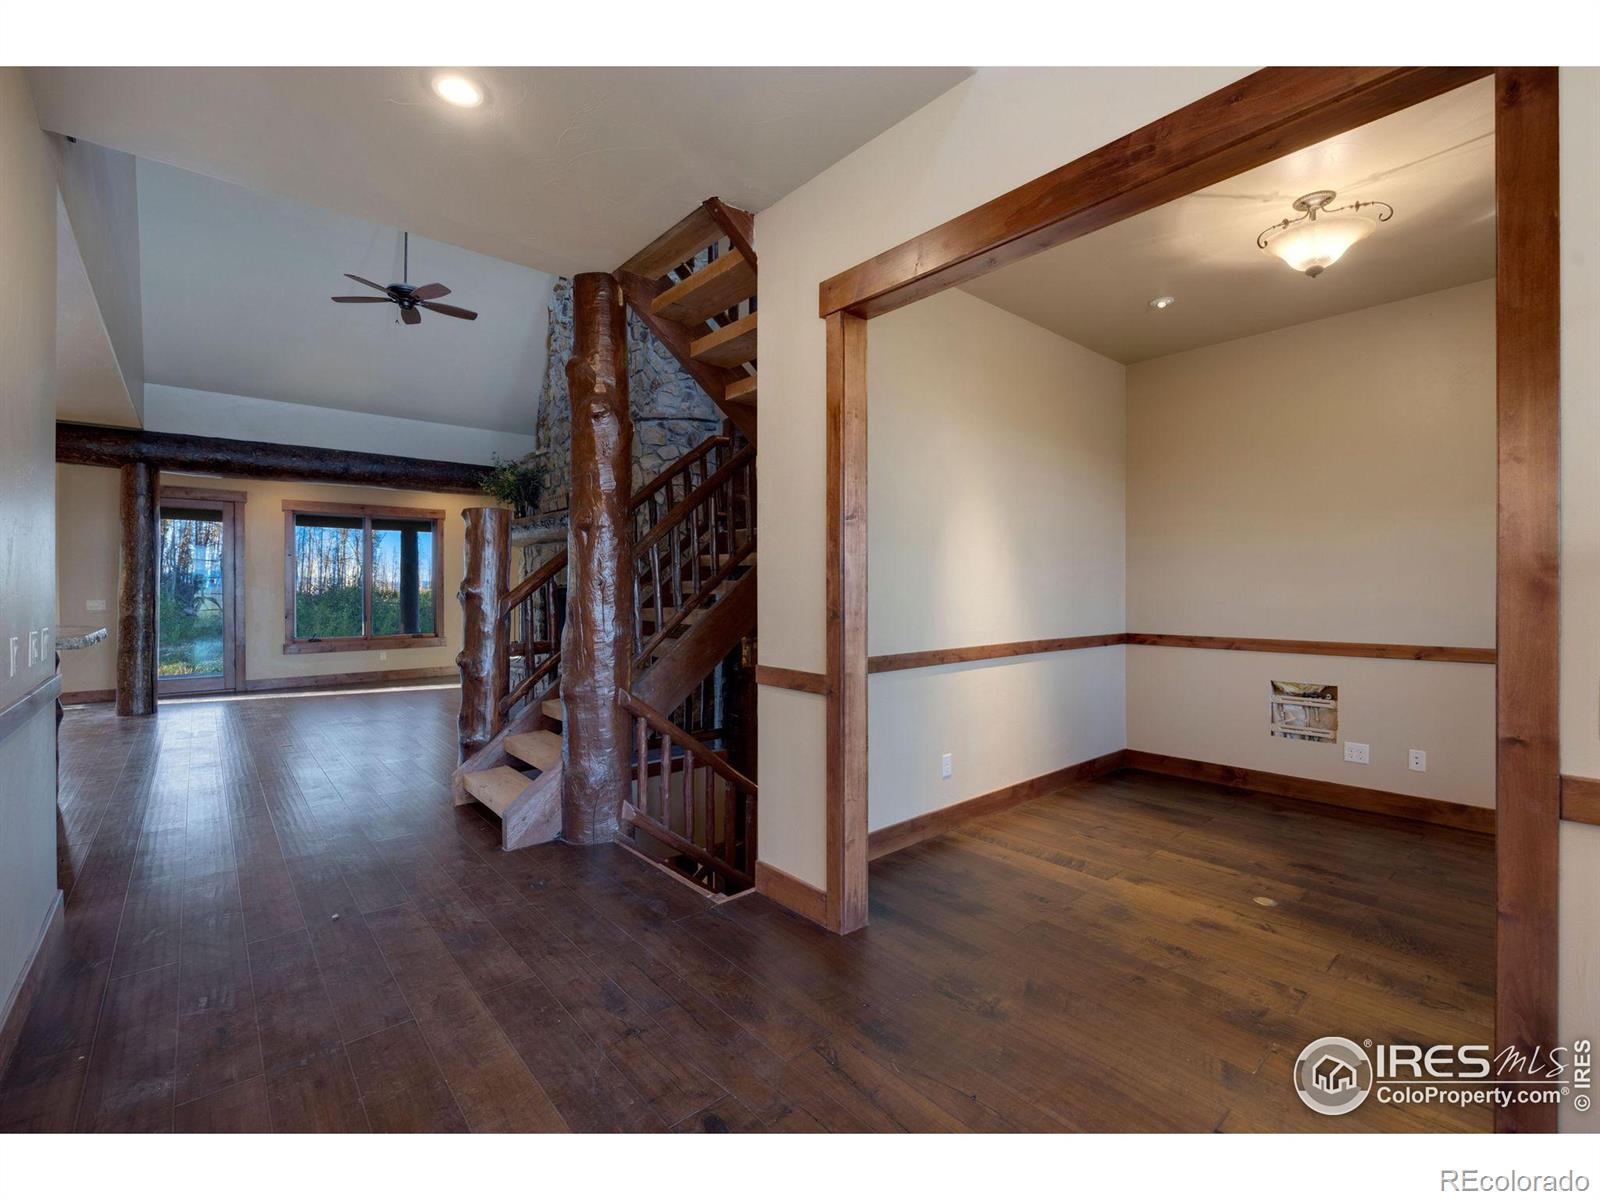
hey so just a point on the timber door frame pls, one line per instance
(1262, 117)
(230, 504)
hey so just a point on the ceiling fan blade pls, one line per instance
(430, 291)
(360, 299)
(450, 310)
(410, 316)
(368, 282)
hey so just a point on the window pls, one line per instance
(360, 577)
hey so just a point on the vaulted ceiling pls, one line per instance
(1434, 163)
(237, 284)
(563, 169)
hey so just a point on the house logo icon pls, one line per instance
(1333, 1076)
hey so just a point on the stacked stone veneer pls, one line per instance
(671, 415)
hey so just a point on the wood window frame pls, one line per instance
(1258, 119)
(231, 505)
(368, 640)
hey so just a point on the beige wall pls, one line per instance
(1333, 481)
(88, 571)
(1580, 555)
(27, 524)
(995, 484)
(994, 131)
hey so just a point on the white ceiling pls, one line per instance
(1434, 163)
(236, 288)
(563, 169)
(89, 384)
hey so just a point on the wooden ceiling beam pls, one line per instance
(105, 446)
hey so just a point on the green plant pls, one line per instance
(512, 482)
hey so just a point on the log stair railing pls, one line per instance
(695, 288)
(690, 802)
(510, 724)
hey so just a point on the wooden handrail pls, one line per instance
(688, 504)
(681, 737)
(526, 686)
(694, 602)
(528, 586)
(558, 561)
(642, 820)
(676, 469)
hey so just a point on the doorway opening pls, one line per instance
(199, 633)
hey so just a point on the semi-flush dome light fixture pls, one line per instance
(457, 90)
(1161, 302)
(1316, 239)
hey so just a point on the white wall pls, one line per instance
(99, 188)
(27, 522)
(991, 133)
(995, 483)
(1332, 481)
(252, 419)
(1580, 555)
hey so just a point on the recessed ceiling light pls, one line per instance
(457, 90)
(1163, 302)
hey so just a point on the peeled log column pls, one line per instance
(597, 645)
(484, 661)
(136, 593)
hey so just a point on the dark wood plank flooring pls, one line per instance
(277, 921)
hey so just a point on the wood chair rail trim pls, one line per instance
(1580, 799)
(812, 682)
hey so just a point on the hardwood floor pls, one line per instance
(277, 921)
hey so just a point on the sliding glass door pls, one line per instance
(196, 625)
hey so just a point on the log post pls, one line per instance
(136, 592)
(597, 645)
(484, 658)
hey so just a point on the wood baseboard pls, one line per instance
(96, 696)
(794, 894)
(300, 683)
(1318, 791)
(28, 983)
(1580, 799)
(919, 828)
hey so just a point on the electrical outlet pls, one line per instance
(946, 767)
(383, 656)
(1357, 752)
(33, 646)
(1418, 760)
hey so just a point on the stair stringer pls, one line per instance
(667, 682)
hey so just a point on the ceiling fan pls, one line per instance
(409, 298)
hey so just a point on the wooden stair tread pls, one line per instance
(741, 391)
(497, 788)
(539, 748)
(677, 245)
(729, 346)
(714, 288)
(553, 708)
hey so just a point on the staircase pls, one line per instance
(695, 287)
(694, 590)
